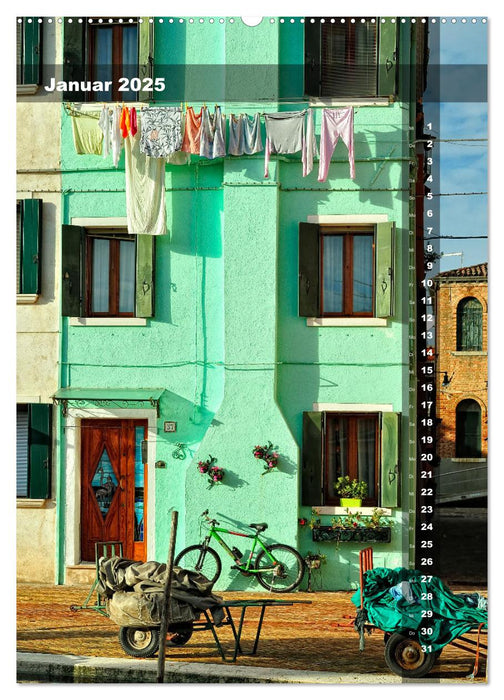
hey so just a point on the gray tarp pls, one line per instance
(134, 592)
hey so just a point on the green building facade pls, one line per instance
(227, 347)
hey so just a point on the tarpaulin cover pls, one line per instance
(135, 592)
(452, 615)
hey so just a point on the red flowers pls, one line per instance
(267, 454)
(215, 474)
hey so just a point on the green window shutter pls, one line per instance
(145, 55)
(74, 57)
(387, 57)
(384, 289)
(312, 459)
(309, 270)
(72, 245)
(32, 51)
(40, 451)
(145, 256)
(312, 67)
(31, 246)
(389, 467)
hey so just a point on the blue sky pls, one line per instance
(463, 165)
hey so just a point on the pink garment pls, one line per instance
(336, 123)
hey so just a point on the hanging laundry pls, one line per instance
(245, 134)
(125, 122)
(87, 133)
(285, 133)
(105, 123)
(310, 145)
(191, 142)
(116, 138)
(213, 134)
(145, 190)
(134, 121)
(160, 131)
(336, 123)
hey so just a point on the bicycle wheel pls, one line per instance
(203, 560)
(287, 572)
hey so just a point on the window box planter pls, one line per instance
(326, 533)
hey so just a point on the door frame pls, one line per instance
(72, 455)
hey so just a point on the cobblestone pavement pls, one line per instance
(314, 637)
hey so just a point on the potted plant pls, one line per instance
(350, 491)
(314, 561)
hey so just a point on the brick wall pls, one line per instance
(468, 370)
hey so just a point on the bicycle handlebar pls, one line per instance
(205, 515)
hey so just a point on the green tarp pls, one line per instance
(427, 607)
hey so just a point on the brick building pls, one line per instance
(461, 371)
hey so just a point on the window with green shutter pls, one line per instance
(469, 325)
(352, 59)
(107, 51)
(28, 246)
(33, 451)
(29, 51)
(346, 271)
(107, 273)
(363, 446)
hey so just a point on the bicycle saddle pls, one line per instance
(260, 527)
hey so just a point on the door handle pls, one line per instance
(121, 483)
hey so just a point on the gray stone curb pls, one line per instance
(80, 669)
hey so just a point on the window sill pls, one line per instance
(346, 322)
(338, 510)
(27, 298)
(469, 459)
(77, 321)
(31, 502)
(349, 101)
(29, 89)
(458, 353)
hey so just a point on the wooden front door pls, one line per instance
(113, 486)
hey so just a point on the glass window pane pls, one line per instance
(337, 451)
(127, 276)
(333, 274)
(363, 274)
(104, 483)
(130, 58)
(366, 453)
(139, 485)
(103, 60)
(100, 276)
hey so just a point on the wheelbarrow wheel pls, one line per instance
(140, 642)
(405, 657)
(179, 634)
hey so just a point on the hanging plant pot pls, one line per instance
(350, 502)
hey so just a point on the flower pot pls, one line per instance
(350, 502)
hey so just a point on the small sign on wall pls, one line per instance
(170, 426)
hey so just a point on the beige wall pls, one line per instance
(38, 324)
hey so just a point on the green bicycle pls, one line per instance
(278, 567)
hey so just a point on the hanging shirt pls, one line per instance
(191, 142)
(245, 134)
(116, 138)
(87, 133)
(125, 122)
(105, 123)
(336, 123)
(284, 134)
(160, 131)
(134, 121)
(213, 134)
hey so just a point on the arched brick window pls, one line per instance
(469, 324)
(468, 429)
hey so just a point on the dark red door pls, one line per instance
(113, 486)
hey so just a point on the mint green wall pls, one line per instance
(237, 363)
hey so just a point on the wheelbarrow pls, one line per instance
(409, 650)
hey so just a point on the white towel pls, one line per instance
(145, 190)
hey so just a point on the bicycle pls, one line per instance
(278, 567)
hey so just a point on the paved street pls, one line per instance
(302, 638)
